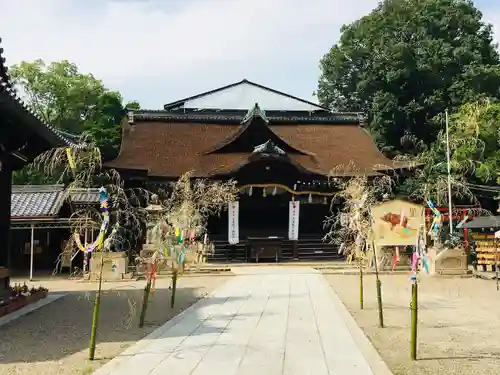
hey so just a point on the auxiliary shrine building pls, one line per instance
(279, 149)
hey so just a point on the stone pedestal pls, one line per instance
(147, 251)
(114, 266)
(448, 262)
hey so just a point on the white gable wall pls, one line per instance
(244, 96)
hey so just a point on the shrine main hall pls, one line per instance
(280, 149)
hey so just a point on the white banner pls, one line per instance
(233, 223)
(293, 220)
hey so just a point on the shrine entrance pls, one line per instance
(264, 215)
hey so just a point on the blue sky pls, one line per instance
(157, 51)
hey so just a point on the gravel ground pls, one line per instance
(459, 322)
(54, 339)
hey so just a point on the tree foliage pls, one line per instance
(71, 101)
(406, 62)
(474, 139)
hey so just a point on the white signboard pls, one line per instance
(293, 220)
(233, 226)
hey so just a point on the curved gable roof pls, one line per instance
(255, 122)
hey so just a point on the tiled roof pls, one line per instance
(236, 117)
(82, 196)
(483, 222)
(36, 200)
(30, 201)
(167, 146)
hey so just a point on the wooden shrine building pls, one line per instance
(23, 137)
(277, 147)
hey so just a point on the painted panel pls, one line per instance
(244, 96)
(396, 223)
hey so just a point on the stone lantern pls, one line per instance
(155, 209)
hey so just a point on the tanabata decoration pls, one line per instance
(436, 223)
(150, 274)
(419, 256)
(71, 161)
(179, 235)
(422, 250)
(395, 259)
(99, 241)
(179, 254)
(461, 224)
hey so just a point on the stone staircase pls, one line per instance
(310, 248)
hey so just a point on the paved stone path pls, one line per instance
(265, 321)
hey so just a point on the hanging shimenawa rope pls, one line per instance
(286, 188)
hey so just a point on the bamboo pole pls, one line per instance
(361, 292)
(414, 320)
(145, 299)
(379, 288)
(496, 263)
(95, 315)
(174, 287)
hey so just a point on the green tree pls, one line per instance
(474, 139)
(73, 102)
(405, 63)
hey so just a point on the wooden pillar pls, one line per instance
(5, 201)
(32, 250)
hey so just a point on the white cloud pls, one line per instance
(175, 41)
(159, 50)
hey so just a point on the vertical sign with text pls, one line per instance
(293, 220)
(233, 226)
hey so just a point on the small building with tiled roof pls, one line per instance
(41, 218)
(268, 141)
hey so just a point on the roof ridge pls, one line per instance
(37, 188)
(9, 89)
(301, 117)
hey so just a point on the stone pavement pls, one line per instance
(264, 321)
